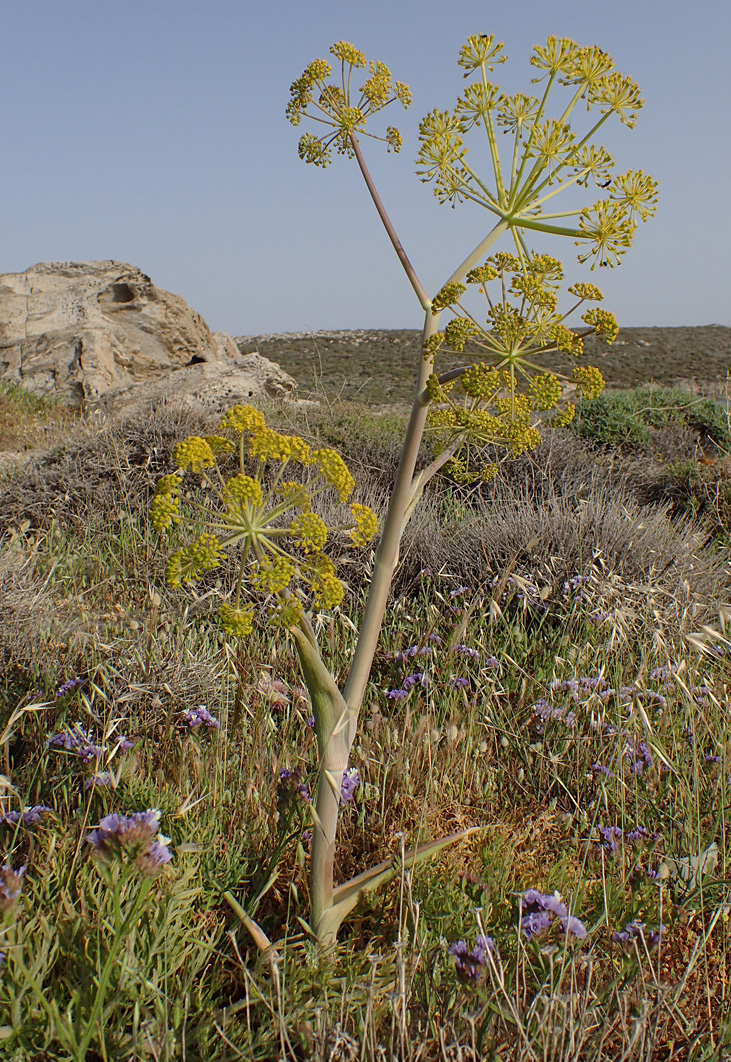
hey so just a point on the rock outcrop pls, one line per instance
(102, 334)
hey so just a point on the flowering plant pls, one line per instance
(504, 396)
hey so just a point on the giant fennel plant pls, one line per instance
(261, 487)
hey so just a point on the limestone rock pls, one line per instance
(101, 333)
(210, 386)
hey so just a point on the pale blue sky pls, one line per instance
(153, 132)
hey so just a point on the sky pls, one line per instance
(153, 132)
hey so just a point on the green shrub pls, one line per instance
(629, 417)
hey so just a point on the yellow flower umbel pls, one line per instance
(505, 397)
(338, 108)
(269, 517)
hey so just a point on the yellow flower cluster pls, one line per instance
(447, 296)
(327, 588)
(243, 418)
(237, 622)
(273, 576)
(242, 490)
(590, 381)
(270, 445)
(604, 323)
(195, 453)
(267, 519)
(309, 532)
(295, 494)
(188, 564)
(335, 471)
(564, 418)
(165, 505)
(590, 292)
(544, 391)
(366, 524)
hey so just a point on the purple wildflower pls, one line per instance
(573, 926)
(545, 711)
(291, 785)
(100, 779)
(660, 674)
(411, 652)
(349, 784)
(124, 744)
(78, 741)
(635, 930)
(196, 716)
(492, 661)
(609, 838)
(71, 684)
(458, 683)
(471, 962)
(397, 695)
(638, 755)
(11, 885)
(311, 722)
(458, 592)
(27, 817)
(419, 678)
(688, 734)
(701, 694)
(464, 650)
(536, 923)
(599, 768)
(540, 910)
(712, 759)
(151, 860)
(435, 638)
(134, 837)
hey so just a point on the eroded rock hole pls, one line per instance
(122, 293)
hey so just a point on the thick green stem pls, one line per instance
(388, 548)
(331, 726)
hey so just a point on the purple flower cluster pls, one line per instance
(290, 785)
(70, 684)
(622, 692)
(397, 695)
(457, 683)
(610, 837)
(200, 715)
(132, 838)
(636, 930)
(471, 962)
(415, 650)
(27, 817)
(465, 650)
(661, 674)
(574, 584)
(11, 885)
(638, 755)
(458, 592)
(600, 768)
(100, 780)
(349, 784)
(79, 742)
(540, 910)
(419, 678)
(545, 711)
(701, 694)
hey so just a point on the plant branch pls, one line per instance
(393, 237)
